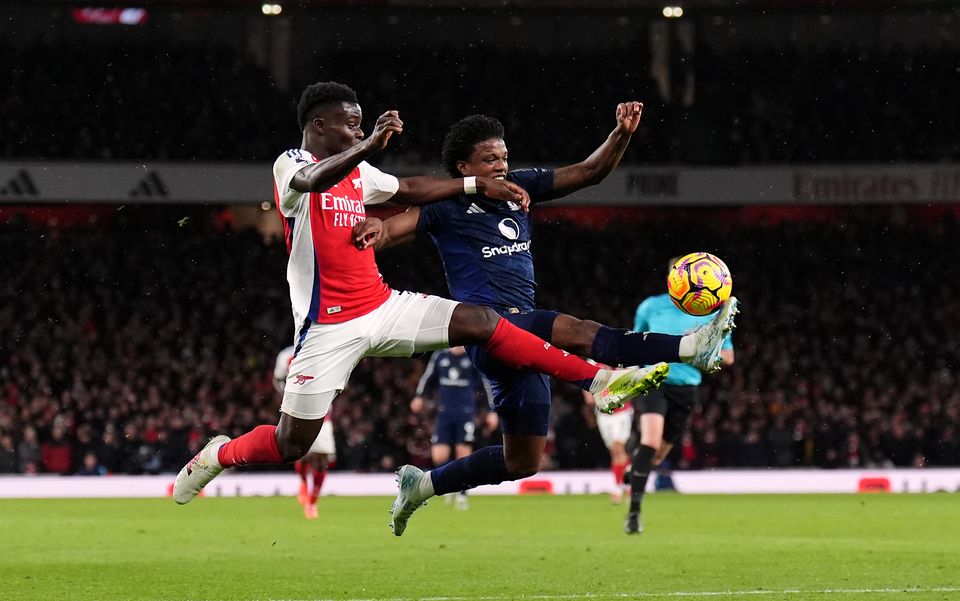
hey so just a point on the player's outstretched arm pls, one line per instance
(320, 176)
(399, 229)
(604, 159)
(421, 190)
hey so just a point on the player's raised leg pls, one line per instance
(518, 349)
(615, 346)
(473, 325)
(703, 349)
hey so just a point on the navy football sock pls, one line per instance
(484, 466)
(623, 347)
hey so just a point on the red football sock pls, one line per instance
(618, 470)
(521, 349)
(256, 446)
(301, 469)
(318, 477)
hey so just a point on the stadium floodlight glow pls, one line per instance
(271, 9)
(672, 12)
(277, 9)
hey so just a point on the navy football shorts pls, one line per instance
(521, 399)
(454, 428)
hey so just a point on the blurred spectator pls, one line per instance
(9, 463)
(29, 451)
(90, 466)
(109, 449)
(57, 453)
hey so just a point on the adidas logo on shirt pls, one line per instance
(474, 209)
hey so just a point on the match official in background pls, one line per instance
(664, 413)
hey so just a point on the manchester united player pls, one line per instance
(485, 248)
(343, 311)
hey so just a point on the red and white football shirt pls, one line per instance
(330, 280)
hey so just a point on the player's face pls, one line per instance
(489, 158)
(341, 127)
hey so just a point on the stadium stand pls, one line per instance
(742, 109)
(127, 341)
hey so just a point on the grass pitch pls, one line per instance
(548, 548)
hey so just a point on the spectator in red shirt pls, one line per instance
(57, 453)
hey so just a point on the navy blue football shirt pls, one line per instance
(456, 381)
(485, 244)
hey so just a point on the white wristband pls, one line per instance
(470, 185)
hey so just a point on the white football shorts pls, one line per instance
(616, 427)
(324, 443)
(407, 323)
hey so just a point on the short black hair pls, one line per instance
(463, 136)
(318, 94)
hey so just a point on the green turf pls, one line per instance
(566, 547)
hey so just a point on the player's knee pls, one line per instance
(474, 325)
(585, 332)
(653, 442)
(522, 467)
(292, 448)
(488, 323)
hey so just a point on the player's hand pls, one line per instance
(388, 124)
(416, 405)
(628, 116)
(501, 189)
(367, 233)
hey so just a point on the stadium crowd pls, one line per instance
(840, 103)
(124, 345)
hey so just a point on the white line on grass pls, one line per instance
(648, 595)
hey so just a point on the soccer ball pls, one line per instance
(699, 283)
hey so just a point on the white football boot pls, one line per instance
(409, 498)
(611, 389)
(708, 338)
(199, 471)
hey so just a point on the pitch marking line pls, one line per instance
(651, 595)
